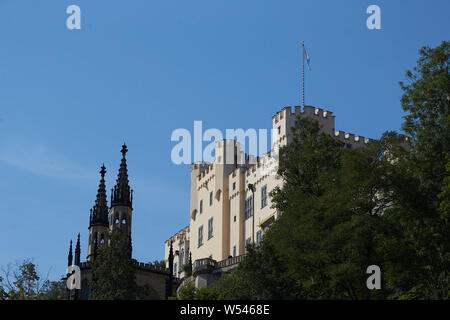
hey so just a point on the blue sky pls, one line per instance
(139, 69)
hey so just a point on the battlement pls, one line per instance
(351, 138)
(307, 111)
(150, 267)
(179, 234)
(201, 166)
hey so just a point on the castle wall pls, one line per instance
(181, 251)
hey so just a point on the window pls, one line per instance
(259, 237)
(263, 196)
(348, 145)
(234, 185)
(210, 198)
(248, 207)
(235, 218)
(210, 228)
(200, 236)
(201, 206)
(175, 269)
(267, 224)
(279, 130)
(247, 242)
(234, 251)
(182, 257)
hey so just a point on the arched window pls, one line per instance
(182, 257)
(193, 214)
(124, 221)
(102, 239)
(116, 221)
(218, 194)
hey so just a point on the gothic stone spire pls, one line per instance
(122, 194)
(77, 252)
(171, 258)
(69, 257)
(99, 213)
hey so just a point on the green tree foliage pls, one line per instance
(22, 281)
(160, 264)
(55, 290)
(261, 275)
(426, 99)
(333, 225)
(187, 268)
(113, 271)
(187, 292)
(3, 295)
(422, 182)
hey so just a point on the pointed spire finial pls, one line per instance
(69, 257)
(124, 149)
(121, 194)
(77, 251)
(99, 212)
(103, 170)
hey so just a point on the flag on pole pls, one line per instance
(306, 57)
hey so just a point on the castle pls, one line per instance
(230, 205)
(119, 216)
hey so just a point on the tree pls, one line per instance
(187, 292)
(187, 268)
(333, 224)
(113, 270)
(22, 281)
(55, 290)
(423, 180)
(3, 295)
(159, 264)
(426, 99)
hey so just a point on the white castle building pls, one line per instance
(230, 205)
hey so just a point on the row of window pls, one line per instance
(248, 202)
(248, 205)
(248, 212)
(210, 231)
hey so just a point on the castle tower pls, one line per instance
(120, 214)
(98, 222)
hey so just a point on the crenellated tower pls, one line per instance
(98, 221)
(120, 214)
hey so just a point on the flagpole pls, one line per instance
(303, 73)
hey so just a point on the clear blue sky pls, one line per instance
(139, 69)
